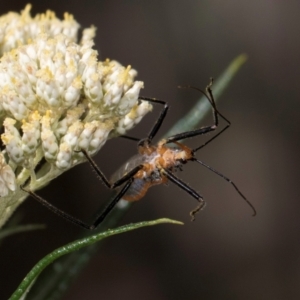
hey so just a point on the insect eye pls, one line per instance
(183, 161)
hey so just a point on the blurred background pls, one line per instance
(225, 253)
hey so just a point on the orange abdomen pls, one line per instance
(137, 190)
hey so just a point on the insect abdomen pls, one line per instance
(137, 190)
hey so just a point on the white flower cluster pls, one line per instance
(63, 99)
(16, 29)
(56, 97)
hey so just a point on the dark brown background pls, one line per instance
(225, 254)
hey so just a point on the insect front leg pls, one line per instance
(157, 124)
(216, 114)
(189, 134)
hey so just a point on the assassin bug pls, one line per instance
(153, 165)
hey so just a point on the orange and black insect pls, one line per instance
(153, 165)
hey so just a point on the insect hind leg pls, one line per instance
(68, 217)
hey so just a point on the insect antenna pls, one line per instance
(211, 139)
(209, 95)
(228, 180)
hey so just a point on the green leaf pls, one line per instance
(27, 282)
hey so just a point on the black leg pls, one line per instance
(188, 189)
(157, 124)
(160, 119)
(188, 134)
(57, 211)
(209, 95)
(113, 203)
(211, 139)
(228, 180)
(75, 220)
(213, 102)
(127, 177)
(118, 182)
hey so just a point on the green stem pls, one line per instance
(74, 246)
